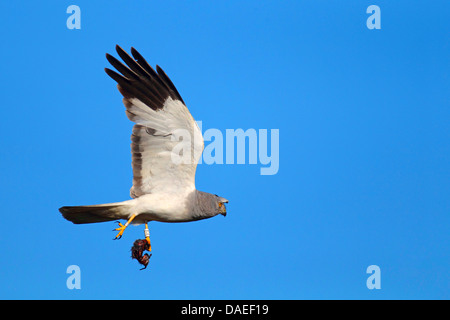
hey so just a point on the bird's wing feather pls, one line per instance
(166, 141)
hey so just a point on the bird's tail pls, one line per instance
(96, 213)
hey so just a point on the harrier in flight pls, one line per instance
(163, 185)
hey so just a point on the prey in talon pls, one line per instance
(141, 245)
(138, 248)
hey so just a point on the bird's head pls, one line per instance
(220, 202)
(208, 205)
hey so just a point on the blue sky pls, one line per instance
(363, 163)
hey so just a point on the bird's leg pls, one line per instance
(122, 227)
(147, 236)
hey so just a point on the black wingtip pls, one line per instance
(136, 55)
(110, 58)
(117, 77)
(120, 50)
(138, 79)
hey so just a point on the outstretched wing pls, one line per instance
(166, 141)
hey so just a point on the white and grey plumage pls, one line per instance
(163, 189)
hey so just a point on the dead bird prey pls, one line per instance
(138, 248)
(163, 184)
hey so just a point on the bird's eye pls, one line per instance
(220, 204)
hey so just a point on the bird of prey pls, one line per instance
(163, 189)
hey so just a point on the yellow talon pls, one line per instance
(122, 227)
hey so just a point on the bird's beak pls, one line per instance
(223, 210)
(223, 200)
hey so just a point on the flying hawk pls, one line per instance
(163, 188)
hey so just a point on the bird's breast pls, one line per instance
(163, 207)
